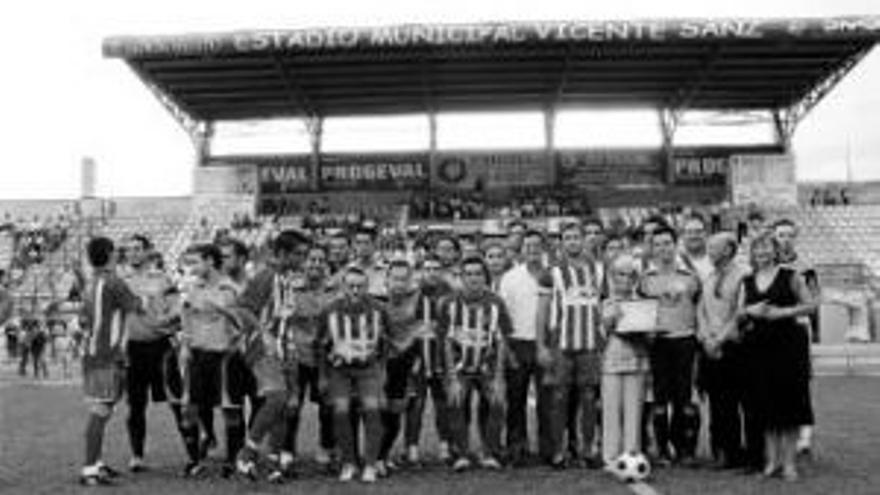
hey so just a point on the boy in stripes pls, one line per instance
(429, 364)
(267, 310)
(351, 359)
(107, 303)
(475, 325)
(576, 342)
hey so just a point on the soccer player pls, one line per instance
(266, 308)
(149, 335)
(106, 305)
(525, 290)
(207, 342)
(476, 324)
(429, 365)
(721, 363)
(407, 321)
(299, 347)
(674, 351)
(576, 341)
(351, 337)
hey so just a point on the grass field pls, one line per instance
(41, 448)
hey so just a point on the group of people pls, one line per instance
(369, 338)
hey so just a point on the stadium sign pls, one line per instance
(374, 172)
(585, 32)
(610, 167)
(708, 166)
(490, 170)
(275, 174)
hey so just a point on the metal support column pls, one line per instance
(202, 138)
(784, 125)
(550, 141)
(432, 142)
(315, 127)
(668, 125)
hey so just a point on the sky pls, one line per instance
(61, 101)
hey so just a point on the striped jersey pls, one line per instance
(353, 331)
(431, 357)
(104, 310)
(574, 310)
(474, 328)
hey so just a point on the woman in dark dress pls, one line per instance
(774, 296)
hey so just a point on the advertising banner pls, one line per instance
(709, 166)
(269, 174)
(599, 168)
(374, 171)
(221, 177)
(490, 170)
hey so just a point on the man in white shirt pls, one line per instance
(526, 290)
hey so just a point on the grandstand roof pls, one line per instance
(677, 64)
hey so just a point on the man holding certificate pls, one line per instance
(677, 290)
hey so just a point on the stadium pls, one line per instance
(766, 72)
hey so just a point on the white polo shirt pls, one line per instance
(521, 291)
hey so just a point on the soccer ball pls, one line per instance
(630, 467)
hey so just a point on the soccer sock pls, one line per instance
(292, 422)
(94, 438)
(325, 418)
(372, 435)
(189, 432)
(137, 427)
(270, 414)
(206, 418)
(344, 435)
(235, 432)
(390, 430)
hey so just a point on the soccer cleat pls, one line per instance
(381, 468)
(461, 464)
(94, 480)
(285, 460)
(489, 462)
(445, 454)
(193, 469)
(347, 473)
(108, 471)
(227, 470)
(276, 476)
(246, 468)
(137, 465)
(370, 474)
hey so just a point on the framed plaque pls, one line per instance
(639, 316)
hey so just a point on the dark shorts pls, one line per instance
(397, 375)
(302, 380)
(103, 382)
(349, 382)
(672, 368)
(146, 373)
(575, 368)
(217, 379)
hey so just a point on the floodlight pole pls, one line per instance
(315, 126)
